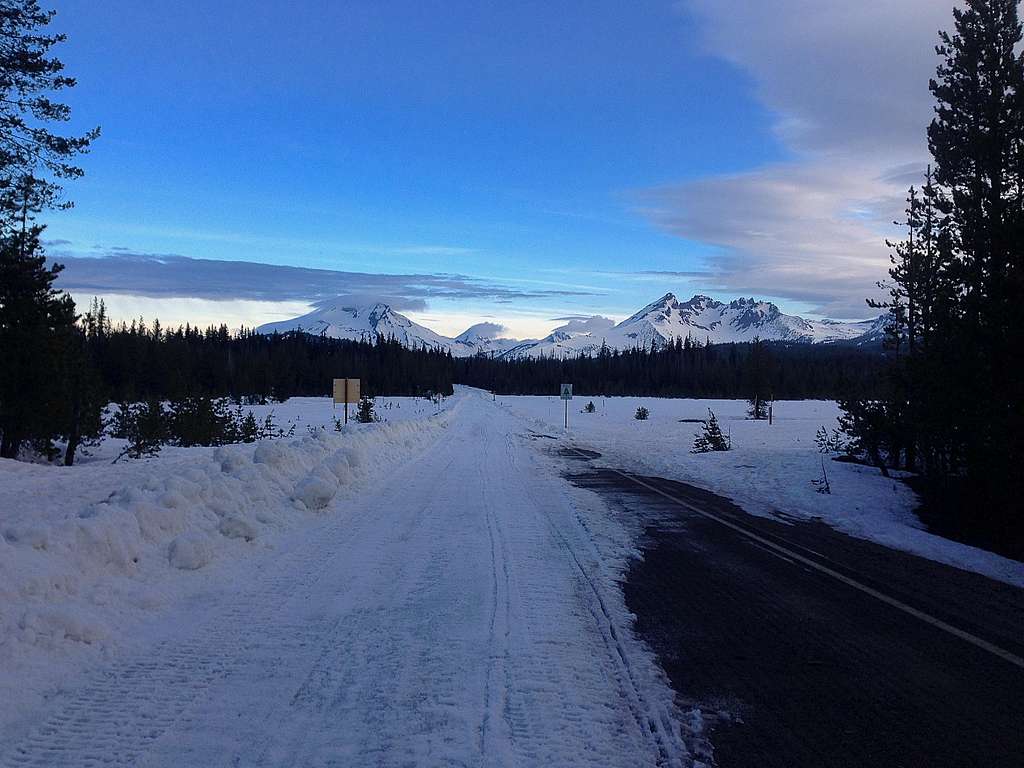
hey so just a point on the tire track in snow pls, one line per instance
(656, 719)
(454, 618)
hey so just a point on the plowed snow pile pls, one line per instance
(86, 551)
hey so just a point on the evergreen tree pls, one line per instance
(37, 338)
(977, 140)
(711, 437)
(36, 322)
(32, 156)
(147, 430)
(952, 408)
(364, 412)
(757, 408)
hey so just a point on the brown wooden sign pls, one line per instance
(346, 391)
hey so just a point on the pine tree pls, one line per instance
(29, 152)
(757, 408)
(36, 321)
(147, 430)
(952, 408)
(977, 140)
(364, 412)
(758, 375)
(711, 437)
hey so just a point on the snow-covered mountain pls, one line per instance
(741, 320)
(701, 318)
(661, 322)
(578, 336)
(482, 338)
(341, 321)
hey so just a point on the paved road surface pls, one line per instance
(806, 669)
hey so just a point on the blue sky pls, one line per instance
(551, 155)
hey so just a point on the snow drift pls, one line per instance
(83, 548)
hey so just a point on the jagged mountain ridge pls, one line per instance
(660, 322)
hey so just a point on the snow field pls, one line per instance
(769, 470)
(87, 551)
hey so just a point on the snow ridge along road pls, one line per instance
(464, 613)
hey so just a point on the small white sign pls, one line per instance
(566, 392)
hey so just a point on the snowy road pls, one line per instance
(464, 614)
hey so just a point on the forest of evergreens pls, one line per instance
(685, 369)
(951, 409)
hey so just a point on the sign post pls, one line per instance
(566, 395)
(346, 391)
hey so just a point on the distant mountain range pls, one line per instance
(661, 322)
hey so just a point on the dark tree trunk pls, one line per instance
(74, 433)
(9, 445)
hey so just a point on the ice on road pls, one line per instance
(464, 613)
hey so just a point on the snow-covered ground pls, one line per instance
(427, 591)
(87, 552)
(770, 468)
(422, 591)
(297, 415)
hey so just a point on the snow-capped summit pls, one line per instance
(660, 322)
(704, 318)
(483, 338)
(341, 320)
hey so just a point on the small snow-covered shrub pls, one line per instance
(641, 414)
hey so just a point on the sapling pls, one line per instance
(711, 437)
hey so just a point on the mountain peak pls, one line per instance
(661, 322)
(482, 331)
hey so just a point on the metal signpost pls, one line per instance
(346, 391)
(567, 396)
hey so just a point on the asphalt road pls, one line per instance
(806, 647)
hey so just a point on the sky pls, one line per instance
(474, 161)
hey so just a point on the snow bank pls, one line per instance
(86, 550)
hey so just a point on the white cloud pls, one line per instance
(175, 311)
(848, 83)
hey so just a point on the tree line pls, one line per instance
(136, 361)
(756, 371)
(953, 405)
(177, 384)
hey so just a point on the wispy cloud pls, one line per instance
(171, 275)
(849, 85)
